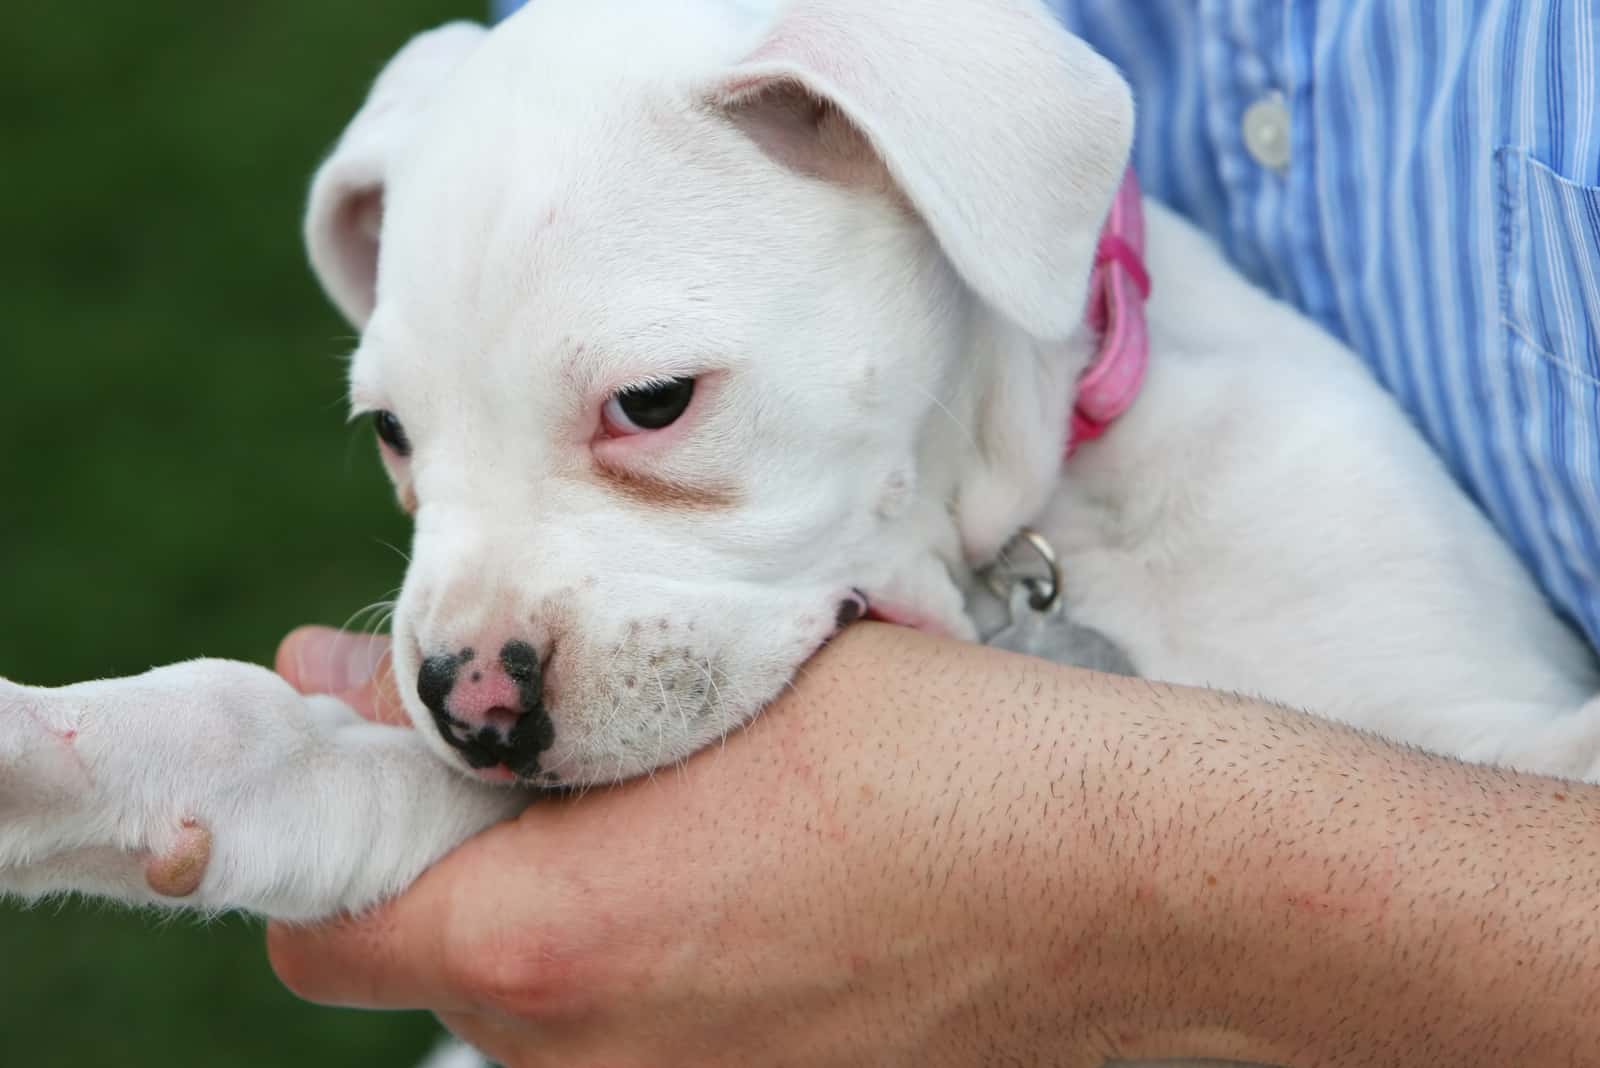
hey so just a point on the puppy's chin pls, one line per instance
(657, 714)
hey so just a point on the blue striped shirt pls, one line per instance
(1439, 211)
(1433, 198)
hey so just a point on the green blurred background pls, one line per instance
(176, 477)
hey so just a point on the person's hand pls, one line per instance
(850, 881)
(934, 853)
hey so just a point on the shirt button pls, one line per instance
(1266, 131)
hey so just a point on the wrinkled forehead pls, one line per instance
(631, 216)
(615, 235)
(491, 197)
(567, 87)
(572, 187)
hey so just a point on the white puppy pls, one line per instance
(690, 325)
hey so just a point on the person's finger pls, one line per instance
(494, 1038)
(448, 944)
(324, 660)
(356, 668)
(390, 958)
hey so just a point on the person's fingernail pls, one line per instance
(336, 661)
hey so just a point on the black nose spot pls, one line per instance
(520, 662)
(534, 732)
(437, 677)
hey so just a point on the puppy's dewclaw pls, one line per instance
(177, 872)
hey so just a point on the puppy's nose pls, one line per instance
(491, 709)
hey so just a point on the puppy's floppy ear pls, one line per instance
(346, 207)
(1008, 135)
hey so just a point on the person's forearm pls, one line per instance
(1288, 891)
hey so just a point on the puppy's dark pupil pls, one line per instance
(391, 433)
(654, 407)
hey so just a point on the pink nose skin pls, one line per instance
(486, 696)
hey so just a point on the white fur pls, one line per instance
(868, 227)
(454, 1055)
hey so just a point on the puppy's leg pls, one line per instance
(1567, 746)
(212, 785)
(1542, 739)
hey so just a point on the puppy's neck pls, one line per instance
(989, 459)
(1018, 399)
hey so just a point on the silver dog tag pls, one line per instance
(1048, 633)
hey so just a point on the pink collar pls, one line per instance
(1118, 289)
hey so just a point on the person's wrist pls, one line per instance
(988, 834)
(1066, 856)
(1095, 884)
(1170, 814)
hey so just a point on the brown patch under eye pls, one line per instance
(666, 493)
(408, 499)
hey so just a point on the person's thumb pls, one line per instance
(352, 667)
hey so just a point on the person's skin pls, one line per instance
(931, 853)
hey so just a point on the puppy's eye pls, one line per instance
(391, 433)
(635, 411)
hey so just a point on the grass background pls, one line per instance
(176, 477)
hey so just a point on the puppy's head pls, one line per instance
(685, 324)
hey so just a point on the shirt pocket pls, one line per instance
(1548, 263)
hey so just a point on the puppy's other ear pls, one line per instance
(1007, 134)
(345, 212)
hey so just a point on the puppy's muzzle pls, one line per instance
(490, 708)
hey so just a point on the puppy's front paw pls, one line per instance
(214, 785)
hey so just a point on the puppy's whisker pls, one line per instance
(711, 681)
(401, 553)
(608, 728)
(377, 609)
(380, 610)
(385, 618)
(380, 625)
(966, 431)
(661, 722)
